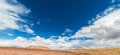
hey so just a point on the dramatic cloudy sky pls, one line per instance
(60, 24)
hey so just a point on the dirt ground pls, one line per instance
(29, 51)
(112, 51)
(19, 51)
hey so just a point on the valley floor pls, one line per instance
(27, 51)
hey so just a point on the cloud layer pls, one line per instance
(10, 12)
(104, 30)
(51, 43)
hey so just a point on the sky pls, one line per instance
(60, 24)
(55, 16)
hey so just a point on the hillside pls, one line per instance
(112, 51)
(38, 47)
(34, 50)
(26, 51)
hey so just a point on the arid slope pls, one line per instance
(45, 51)
(20, 51)
(38, 47)
(112, 51)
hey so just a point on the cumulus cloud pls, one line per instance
(36, 41)
(62, 43)
(105, 30)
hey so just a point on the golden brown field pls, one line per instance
(20, 51)
(45, 51)
(112, 51)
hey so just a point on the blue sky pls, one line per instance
(61, 24)
(55, 16)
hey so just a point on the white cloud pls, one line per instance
(10, 18)
(38, 22)
(9, 34)
(106, 25)
(67, 31)
(114, 1)
(28, 30)
(58, 44)
(105, 30)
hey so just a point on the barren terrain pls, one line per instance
(112, 51)
(20, 51)
(45, 51)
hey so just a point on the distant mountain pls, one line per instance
(38, 47)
